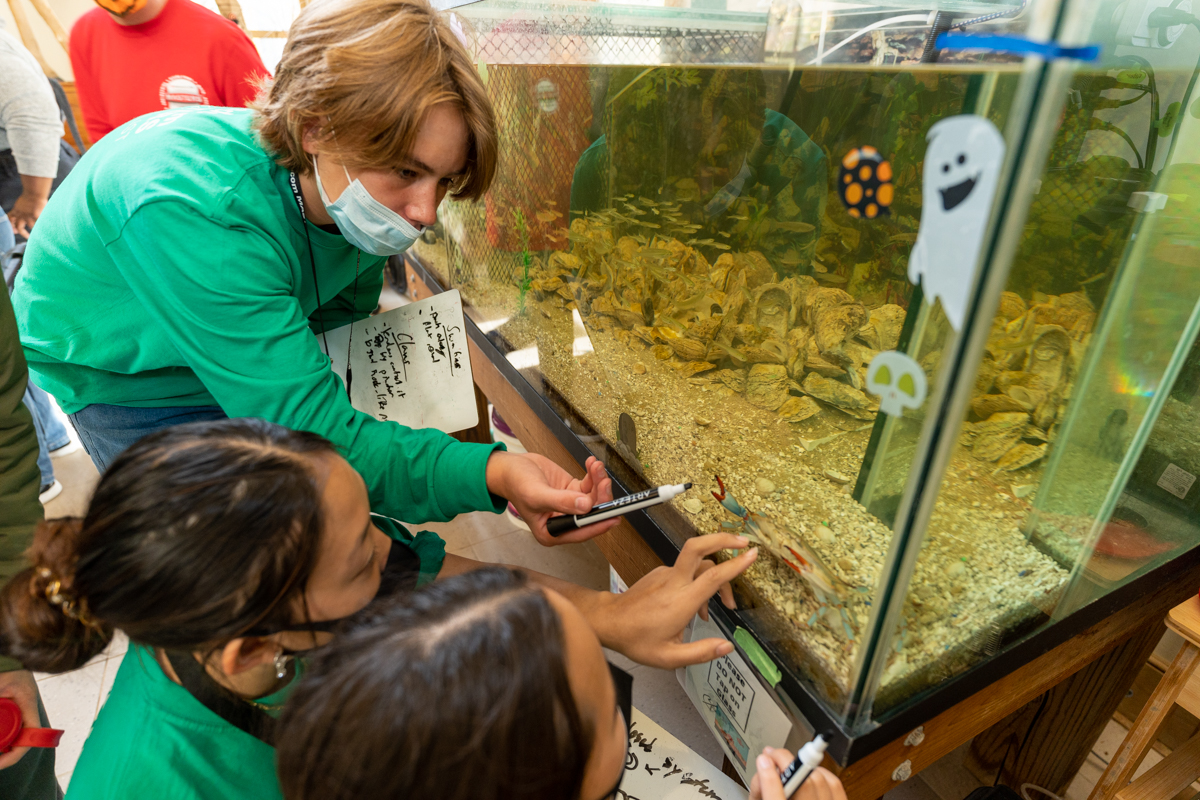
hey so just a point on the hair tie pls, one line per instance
(73, 608)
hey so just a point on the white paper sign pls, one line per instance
(410, 364)
(660, 767)
(1176, 480)
(738, 710)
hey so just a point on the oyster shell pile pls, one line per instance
(787, 345)
(1025, 380)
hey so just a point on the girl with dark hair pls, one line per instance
(481, 687)
(225, 548)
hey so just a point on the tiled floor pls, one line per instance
(73, 699)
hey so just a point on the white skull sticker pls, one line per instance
(898, 380)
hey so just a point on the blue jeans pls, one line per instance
(106, 431)
(51, 434)
(8, 239)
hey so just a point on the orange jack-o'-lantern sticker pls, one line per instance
(865, 183)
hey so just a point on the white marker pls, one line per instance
(615, 508)
(808, 759)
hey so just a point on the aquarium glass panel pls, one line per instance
(698, 241)
(1075, 465)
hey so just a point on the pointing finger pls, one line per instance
(698, 652)
(713, 579)
(698, 547)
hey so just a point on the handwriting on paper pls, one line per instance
(660, 767)
(410, 364)
(387, 351)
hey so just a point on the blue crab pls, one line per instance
(828, 589)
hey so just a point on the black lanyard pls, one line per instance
(294, 184)
(216, 698)
(399, 575)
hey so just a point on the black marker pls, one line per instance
(615, 508)
(808, 759)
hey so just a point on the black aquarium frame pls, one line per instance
(846, 746)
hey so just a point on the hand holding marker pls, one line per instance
(557, 526)
(780, 777)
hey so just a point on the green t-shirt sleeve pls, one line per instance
(225, 297)
(428, 546)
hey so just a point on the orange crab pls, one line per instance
(828, 589)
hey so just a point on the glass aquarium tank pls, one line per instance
(915, 312)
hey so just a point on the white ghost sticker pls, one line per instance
(962, 167)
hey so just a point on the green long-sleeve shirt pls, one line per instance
(20, 510)
(171, 268)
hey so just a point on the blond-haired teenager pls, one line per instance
(182, 271)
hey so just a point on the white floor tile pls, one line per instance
(110, 674)
(389, 298)
(658, 695)
(466, 551)
(1110, 739)
(1086, 778)
(1152, 758)
(71, 700)
(948, 777)
(469, 529)
(79, 477)
(119, 644)
(63, 779)
(583, 563)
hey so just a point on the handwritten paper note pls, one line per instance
(660, 767)
(410, 364)
(738, 709)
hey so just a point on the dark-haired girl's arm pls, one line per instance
(646, 623)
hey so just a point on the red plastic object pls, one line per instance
(1124, 539)
(13, 734)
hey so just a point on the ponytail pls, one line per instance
(195, 535)
(43, 624)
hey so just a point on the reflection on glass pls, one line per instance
(695, 263)
(1090, 356)
(732, 294)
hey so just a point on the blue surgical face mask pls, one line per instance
(367, 223)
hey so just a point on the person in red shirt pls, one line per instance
(132, 57)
